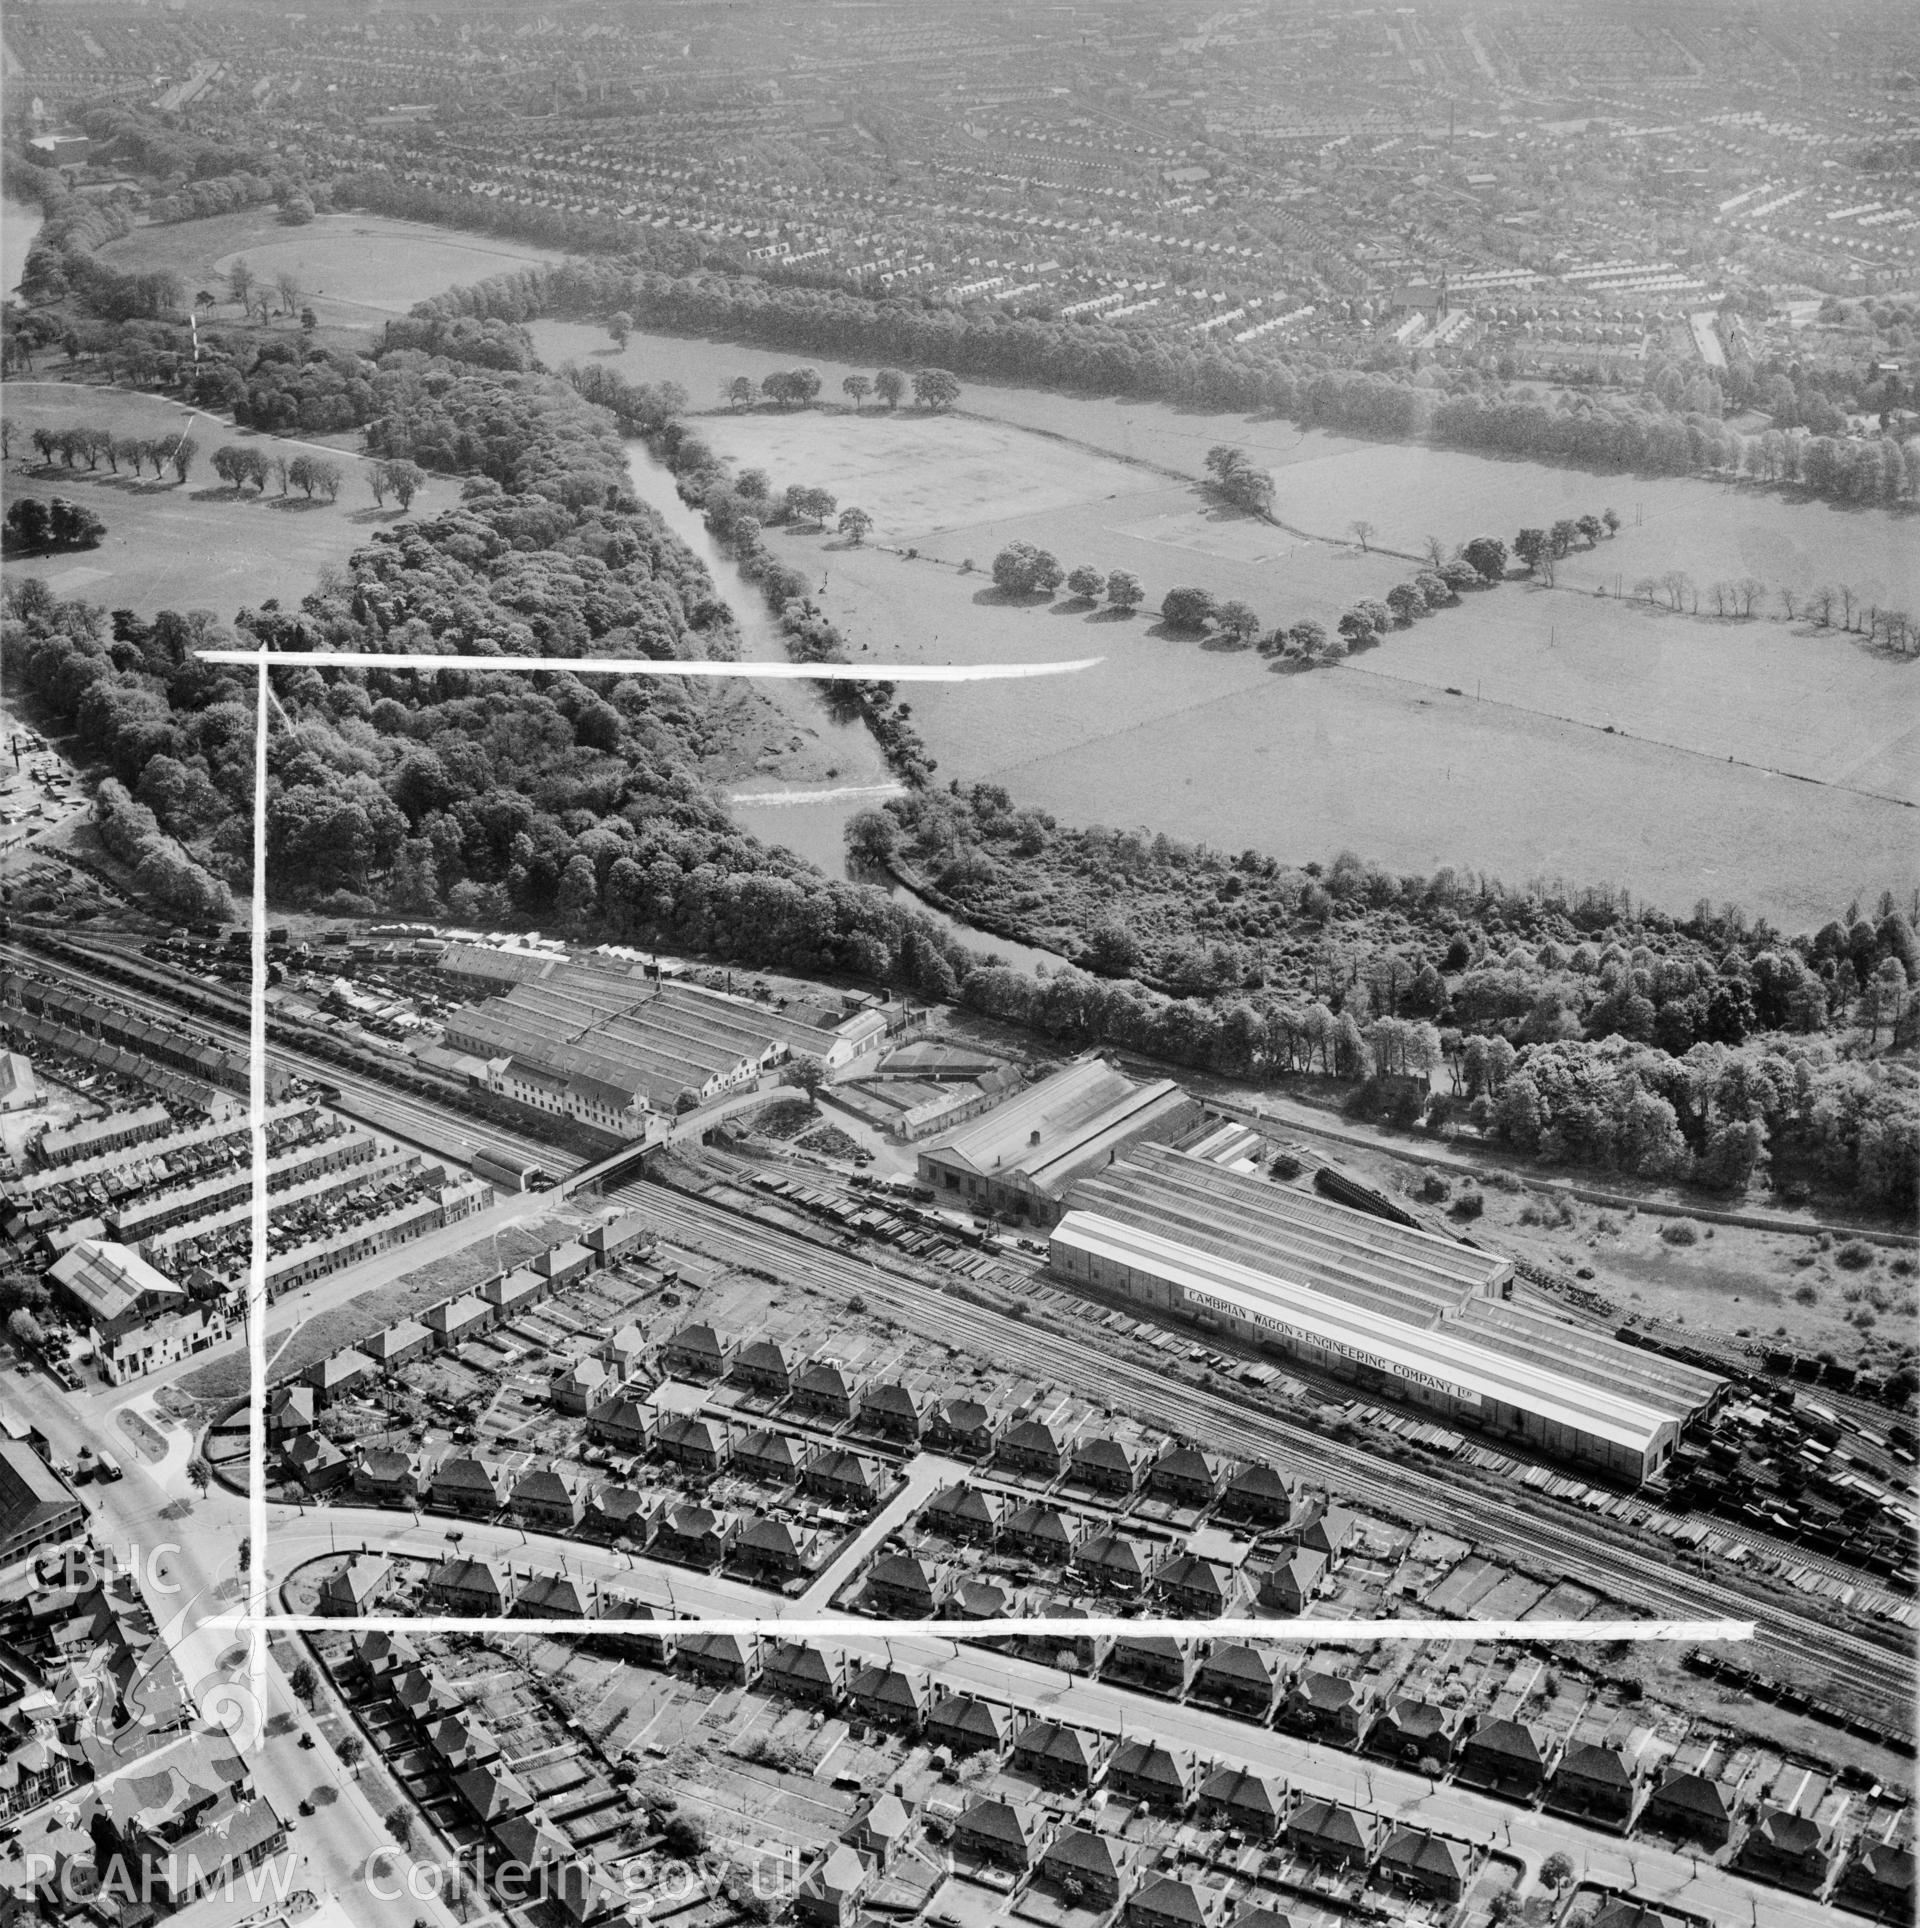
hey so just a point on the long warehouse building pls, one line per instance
(1406, 1313)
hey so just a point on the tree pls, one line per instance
(1357, 627)
(305, 1683)
(1488, 556)
(1406, 602)
(293, 297)
(1022, 570)
(1187, 608)
(1124, 590)
(199, 1474)
(806, 1073)
(185, 448)
(400, 1825)
(1362, 532)
(25, 1330)
(1237, 620)
(28, 522)
(70, 526)
(739, 391)
(240, 281)
(297, 210)
(1611, 520)
(812, 505)
(854, 524)
(684, 1835)
(1557, 1869)
(1530, 546)
(406, 480)
(620, 327)
(376, 473)
(858, 388)
(890, 385)
(1086, 583)
(351, 1750)
(1238, 480)
(934, 388)
(1307, 639)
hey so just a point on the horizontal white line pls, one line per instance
(652, 666)
(1306, 1632)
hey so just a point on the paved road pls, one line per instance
(925, 1476)
(182, 1564)
(1659, 1875)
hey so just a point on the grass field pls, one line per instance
(192, 547)
(356, 269)
(1214, 744)
(1596, 739)
(1807, 702)
(917, 475)
(1325, 481)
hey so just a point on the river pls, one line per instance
(808, 819)
(19, 223)
(1588, 734)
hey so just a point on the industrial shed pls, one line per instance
(1022, 1156)
(1407, 1313)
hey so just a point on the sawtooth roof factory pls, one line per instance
(616, 1048)
(1409, 1314)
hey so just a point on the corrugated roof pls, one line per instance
(1435, 1356)
(1047, 1132)
(1411, 1276)
(109, 1279)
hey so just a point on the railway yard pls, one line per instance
(767, 1382)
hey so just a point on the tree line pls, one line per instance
(89, 443)
(933, 388)
(1638, 432)
(1464, 973)
(236, 464)
(1021, 569)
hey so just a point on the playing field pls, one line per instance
(197, 546)
(355, 269)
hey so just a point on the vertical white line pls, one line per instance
(257, 1272)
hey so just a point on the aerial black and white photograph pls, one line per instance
(958, 964)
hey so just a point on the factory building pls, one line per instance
(1019, 1160)
(616, 1049)
(1408, 1314)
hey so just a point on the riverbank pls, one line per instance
(1531, 734)
(1324, 479)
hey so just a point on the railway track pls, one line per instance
(1339, 1392)
(1868, 1671)
(417, 1120)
